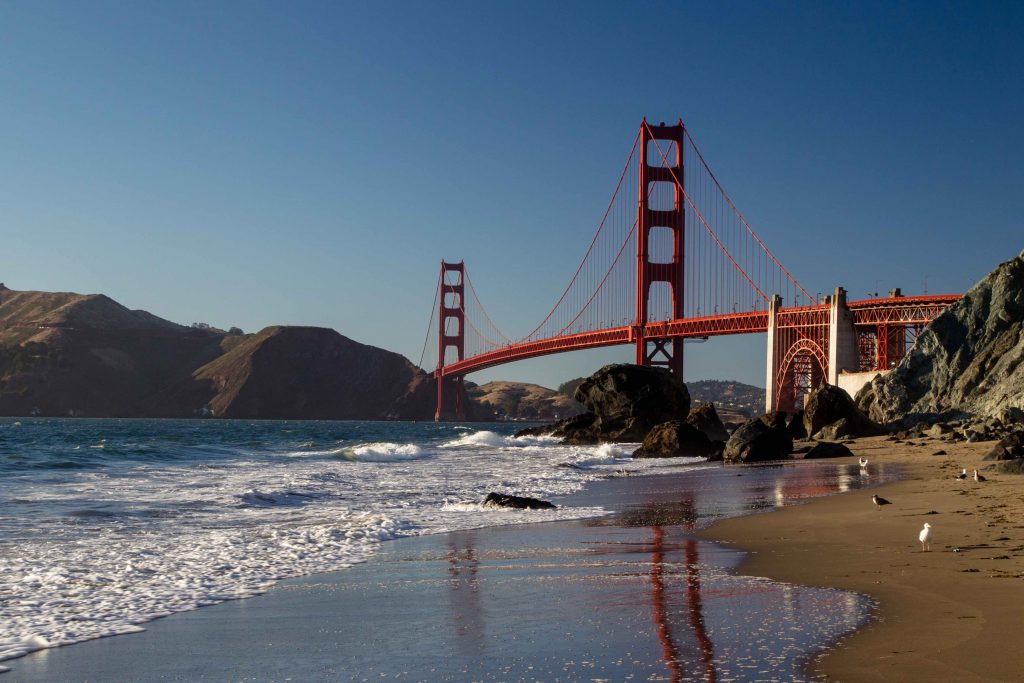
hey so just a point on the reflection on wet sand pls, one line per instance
(464, 593)
(687, 517)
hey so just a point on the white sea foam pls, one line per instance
(386, 452)
(173, 538)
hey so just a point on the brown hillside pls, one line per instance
(85, 354)
(304, 372)
(517, 400)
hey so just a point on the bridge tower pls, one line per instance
(660, 352)
(451, 334)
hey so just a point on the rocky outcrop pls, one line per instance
(623, 403)
(763, 438)
(969, 359)
(830, 413)
(517, 502)
(675, 439)
(705, 418)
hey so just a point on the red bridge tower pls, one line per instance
(660, 163)
(451, 334)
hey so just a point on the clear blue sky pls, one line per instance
(247, 163)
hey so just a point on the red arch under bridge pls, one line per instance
(672, 258)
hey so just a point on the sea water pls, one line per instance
(108, 524)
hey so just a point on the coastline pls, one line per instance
(522, 602)
(947, 615)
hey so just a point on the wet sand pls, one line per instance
(636, 596)
(955, 613)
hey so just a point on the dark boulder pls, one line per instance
(570, 425)
(829, 404)
(624, 402)
(796, 426)
(705, 418)
(517, 502)
(828, 449)
(760, 439)
(616, 393)
(1009, 447)
(675, 439)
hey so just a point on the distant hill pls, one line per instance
(85, 354)
(519, 401)
(728, 396)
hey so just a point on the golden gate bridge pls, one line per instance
(672, 259)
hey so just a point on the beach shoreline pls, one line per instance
(953, 613)
(553, 597)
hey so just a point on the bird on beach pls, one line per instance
(879, 501)
(979, 477)
(925, 536)
(863, 463)
(963, 474)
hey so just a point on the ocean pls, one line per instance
(106, 525)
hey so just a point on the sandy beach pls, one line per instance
(954, 613)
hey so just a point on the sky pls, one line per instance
(252, 163)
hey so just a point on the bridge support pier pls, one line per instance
(771, 384)
(843, 348)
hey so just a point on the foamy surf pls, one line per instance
(387, 452)
(221, 511)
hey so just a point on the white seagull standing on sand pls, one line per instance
(863, 463)
(925, 537)
(963, 474)
(879, 501)
(979, 477)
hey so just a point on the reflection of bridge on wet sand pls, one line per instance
(639, 590)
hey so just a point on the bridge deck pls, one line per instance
(868, 312)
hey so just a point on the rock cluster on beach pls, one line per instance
(630, 403)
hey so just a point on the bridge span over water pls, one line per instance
(673, 259)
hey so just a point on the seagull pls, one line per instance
(879, 501)
(963, 474)
(863, 463)
(925, 537)
(979, 477)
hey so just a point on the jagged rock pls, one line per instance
(939, 429)
(624, 402)
(517, 502)
(970, 358)
(828, 449)
(618, 392)
(705, 418)
(675, 439)
(1008, 448)
(760, 439)
(829, 405)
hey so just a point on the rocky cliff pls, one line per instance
(969, 359)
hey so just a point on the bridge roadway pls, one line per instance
(867, 314)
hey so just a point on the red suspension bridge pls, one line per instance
(672, 258)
